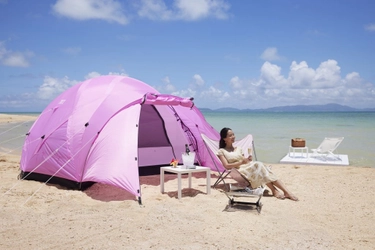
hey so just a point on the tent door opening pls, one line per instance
(154, 147)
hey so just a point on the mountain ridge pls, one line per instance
(330, 107)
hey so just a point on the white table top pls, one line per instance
(181, 169)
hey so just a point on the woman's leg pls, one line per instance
(274, 191)
(287, 193)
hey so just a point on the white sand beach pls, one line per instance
(335, 211)
(8, 118)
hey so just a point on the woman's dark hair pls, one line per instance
(223, 134)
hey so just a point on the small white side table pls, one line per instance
(301, 149)
(179, 171)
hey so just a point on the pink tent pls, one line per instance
(106, 128)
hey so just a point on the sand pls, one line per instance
(335, 211)
(8, 118)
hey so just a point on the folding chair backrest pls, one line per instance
(329, 144)
(247, 145)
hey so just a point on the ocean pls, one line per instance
(272, 132)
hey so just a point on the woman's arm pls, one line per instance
(236, 164)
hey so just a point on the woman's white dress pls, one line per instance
(256, 172)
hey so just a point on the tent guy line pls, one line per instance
(46, 159)
(50, 178)
(13, 127)
(12, 139)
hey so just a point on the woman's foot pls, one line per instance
(278, 195)
(291, 197)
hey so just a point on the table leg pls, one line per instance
(189, 180)
(162, 180)
(208, 178)
(179, 185)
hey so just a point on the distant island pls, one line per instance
(331, 107)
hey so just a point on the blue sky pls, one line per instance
(224, 53)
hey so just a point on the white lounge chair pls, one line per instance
(327, 148)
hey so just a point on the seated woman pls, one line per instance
(256, 172)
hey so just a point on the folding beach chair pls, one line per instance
(243, 187)
(327, 147)
(248, 148)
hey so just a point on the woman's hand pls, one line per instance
(245, 160)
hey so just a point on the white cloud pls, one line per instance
(168, 87)
(370, 27)
(186, 93)
(92, 75)
(304, 85)
(213, 94)
(271, 75)
(189, 10)
(154, 10)
(235, 82)
(352, 80)
(96, 74)
(198, 80)
(270, 54)
(108, 10)
(52, 87)
(113, 11)
(198, 9)
(118, 74)
(300, 75)
(327, 75)
(14, 59)
(233, 58)
(315, 33)
(72, 50)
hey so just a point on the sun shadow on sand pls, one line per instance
(154, 180)
(104, 192)
(107, 193)
(186, 192)
(235, 208)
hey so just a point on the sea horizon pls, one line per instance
(273, 131)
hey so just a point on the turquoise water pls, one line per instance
(273, 132)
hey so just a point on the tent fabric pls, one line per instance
(105, 128)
